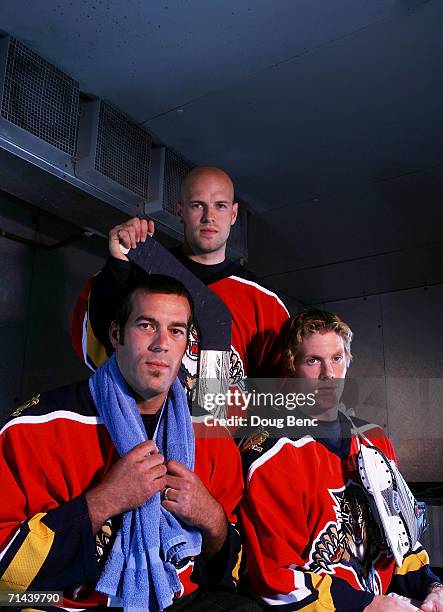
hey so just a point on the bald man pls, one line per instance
(208, 210)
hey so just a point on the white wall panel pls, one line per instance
(397, 367)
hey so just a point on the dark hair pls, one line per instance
(311, 321)
(149, 283)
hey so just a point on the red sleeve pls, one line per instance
(46, 543)
(257, 317)
(79, 318)
(218, 464)
(264, 353)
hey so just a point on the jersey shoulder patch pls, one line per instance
(73, 398)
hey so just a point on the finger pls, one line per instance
(136, 225)
(132, 231)
(151, 227)
(174, 481)
(117, 234)
(143, 229)
(123, 235)
(175, 468)
(156, 472)
(173, 494)
(171, 506)
(145, 448)
(157, 485)
(150, 461)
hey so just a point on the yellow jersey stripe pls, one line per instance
(30, 556)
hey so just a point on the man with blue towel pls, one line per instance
(109, 494)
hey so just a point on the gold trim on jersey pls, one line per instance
(32, 402)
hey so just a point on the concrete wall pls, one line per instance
(38, 290)
(396, 375)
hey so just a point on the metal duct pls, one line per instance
(93, 173)
(38, 97)
(114, 154)
(167, 172)
(39, 107)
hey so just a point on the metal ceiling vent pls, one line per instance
(36, 97)
(167, 172)
(114, 154)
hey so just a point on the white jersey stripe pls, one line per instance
(58, 414)
(85, 342)
(2, 554)
(276, 449)
(300, 592)
(260, 288)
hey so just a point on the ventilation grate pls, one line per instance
(39, 97)
(123, 151)
(176, 168)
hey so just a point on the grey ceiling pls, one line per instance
(327, 113)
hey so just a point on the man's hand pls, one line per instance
(189, 500)
(128, 234)
(383, 603)
(131, 481)
(434, 601)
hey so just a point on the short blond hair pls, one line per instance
(311, 321)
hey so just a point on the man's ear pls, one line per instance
(114, 334)
(179, 211)
(234, 212)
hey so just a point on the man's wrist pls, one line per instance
(214, 532)
(98, 509)
(215, 520)
(434, 586)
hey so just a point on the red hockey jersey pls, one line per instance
(257, 316)
(49, 457)
(311, 540)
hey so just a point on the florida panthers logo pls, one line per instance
(354, 541)
(189, 367)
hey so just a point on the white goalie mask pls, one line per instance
(401, 518)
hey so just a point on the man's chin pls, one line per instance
(208, 245)
(322, 404)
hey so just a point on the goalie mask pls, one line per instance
(401, 518)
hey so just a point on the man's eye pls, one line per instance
(221, 205)
(311, 361)
(196, 205)
(145, 325)
(338, 358)
(177, 331)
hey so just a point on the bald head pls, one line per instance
(203, 173)
(207, 210)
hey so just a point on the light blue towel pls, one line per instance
(140, 568)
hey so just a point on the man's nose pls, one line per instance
(327, 371)
(207, 214)
(160, 341)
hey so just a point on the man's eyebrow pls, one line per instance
(143, 317)
(178, 324)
